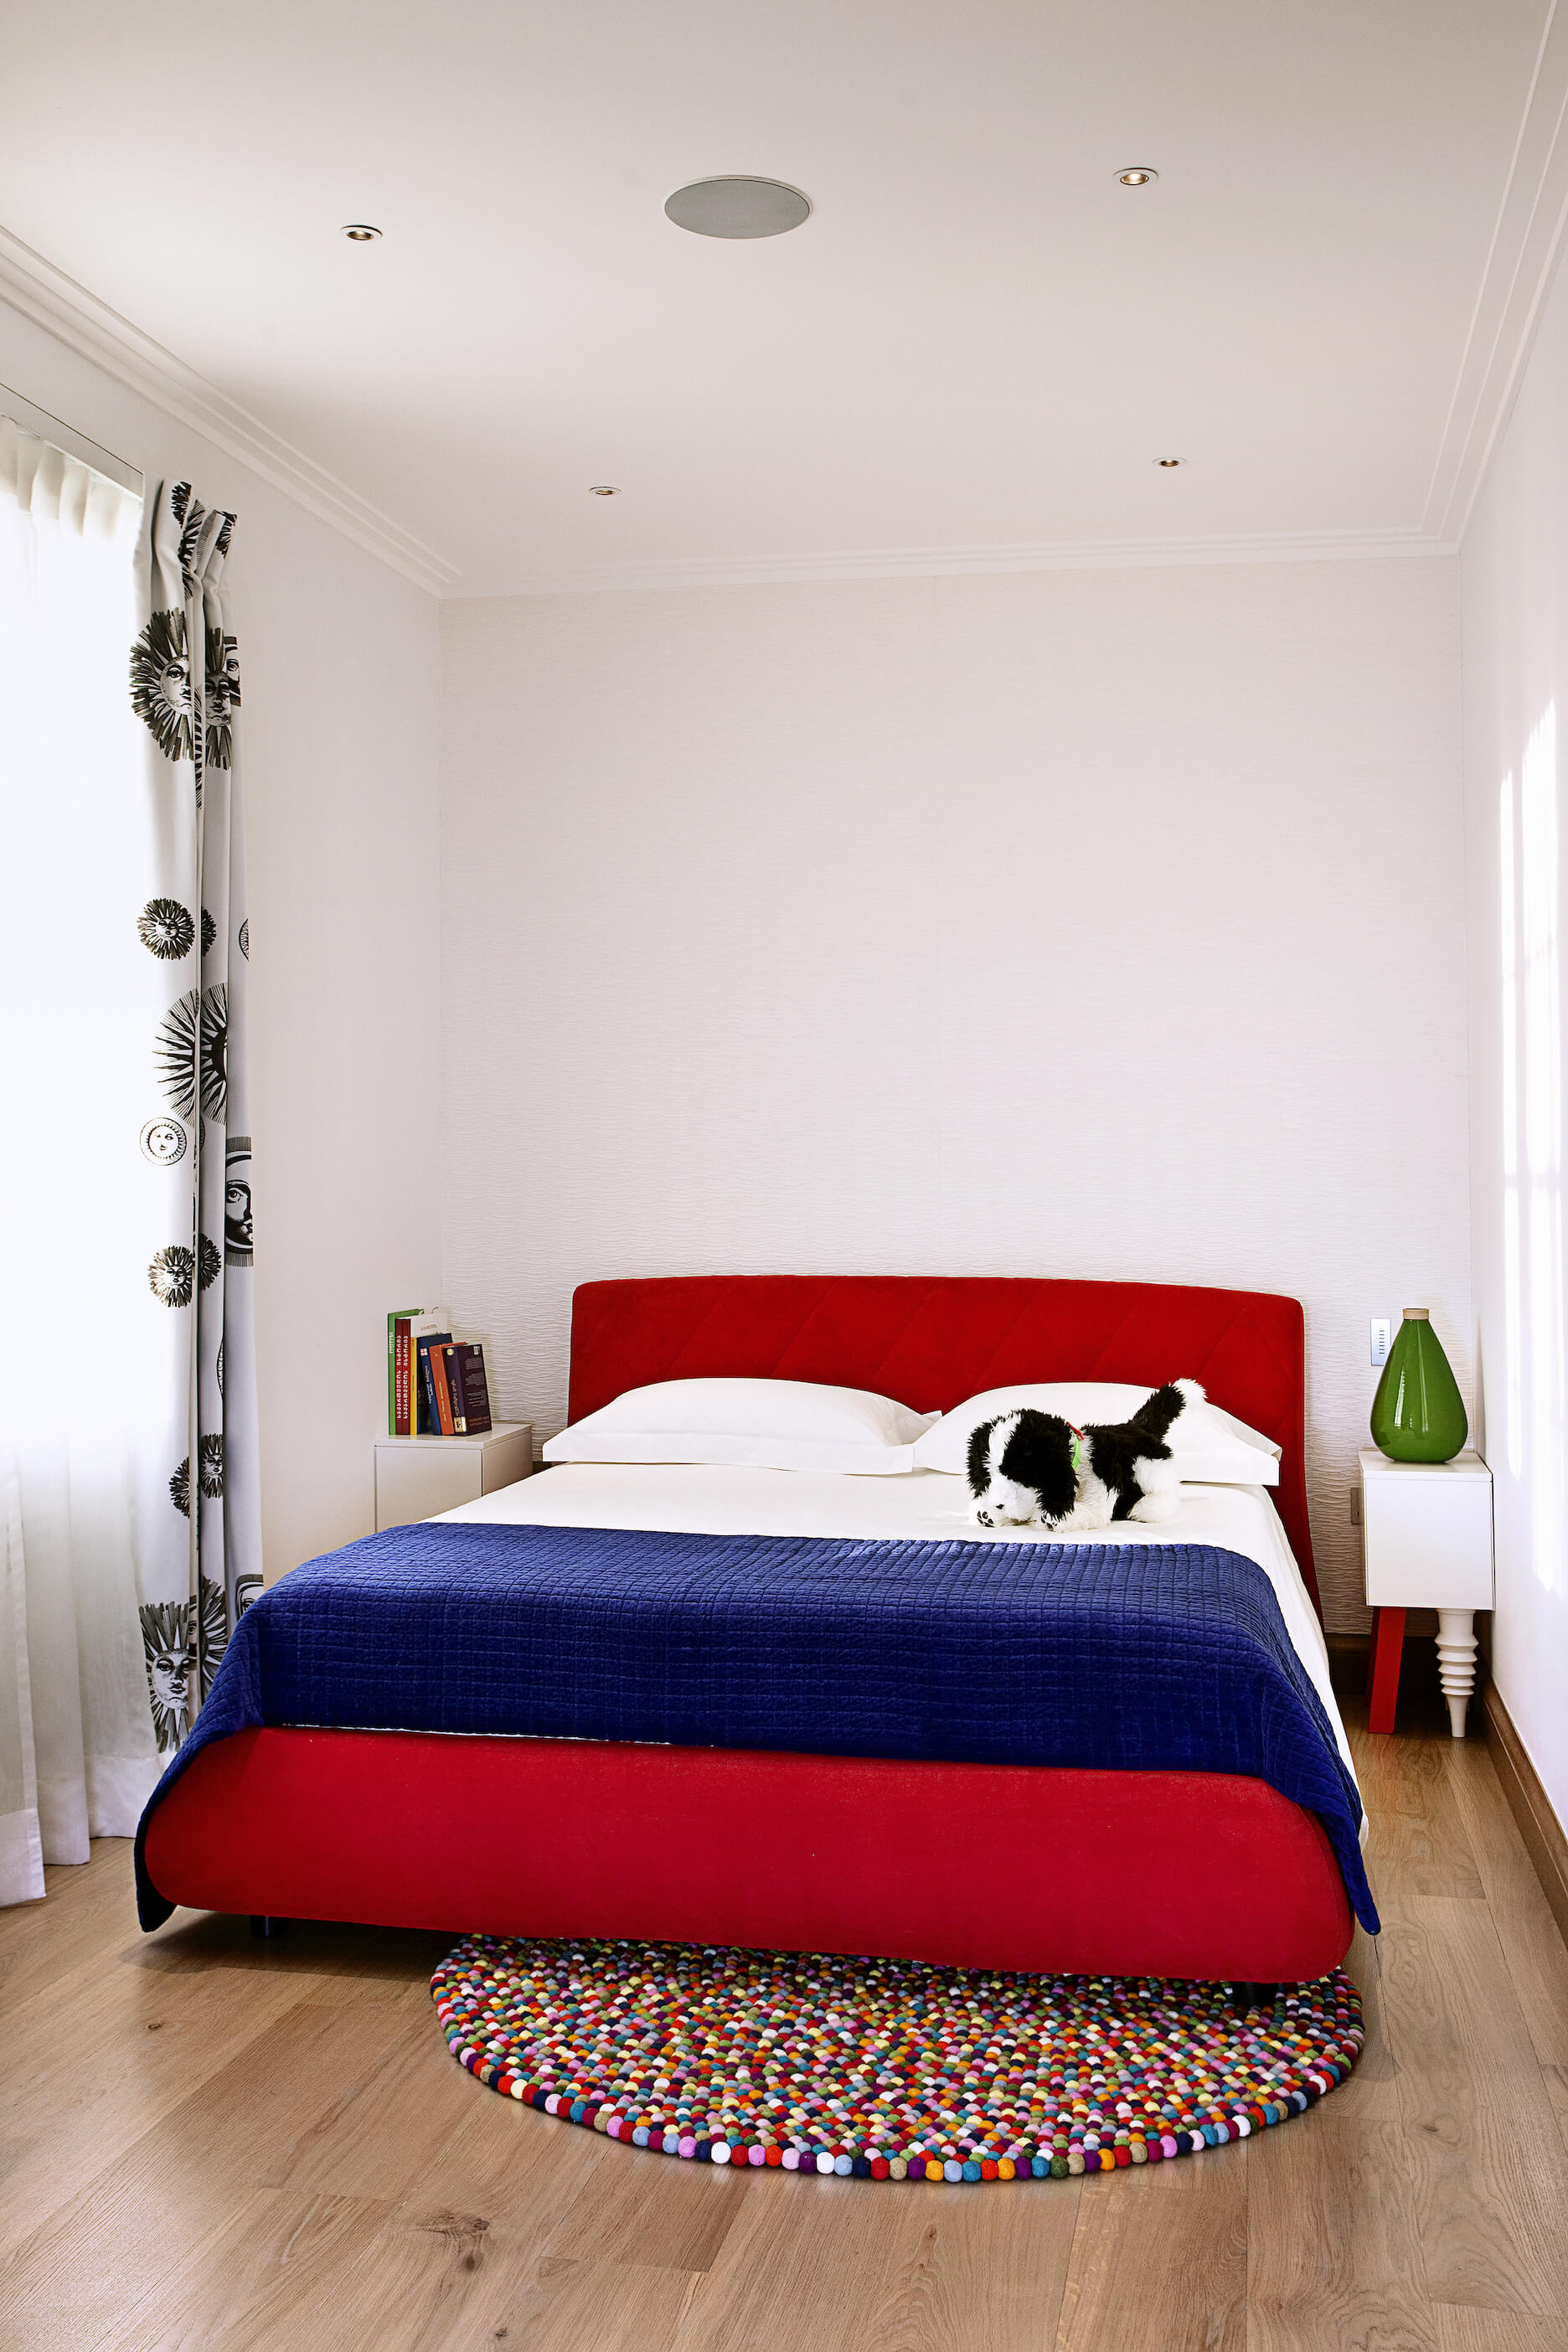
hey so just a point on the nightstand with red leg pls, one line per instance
(1426, 1527)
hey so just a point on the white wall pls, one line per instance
(1097, 923)
(1515, 622)
(340, 663)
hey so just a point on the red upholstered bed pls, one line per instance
(1181, 1874)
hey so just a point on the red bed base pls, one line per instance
(1168, 1873)
(982, 1866)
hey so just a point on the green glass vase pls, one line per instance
(1418, 1414)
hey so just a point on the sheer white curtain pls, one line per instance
(78, 1413)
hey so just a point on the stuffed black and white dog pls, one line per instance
(1032, 1469)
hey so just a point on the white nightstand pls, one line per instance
(419, 1477)
(1426, 1527)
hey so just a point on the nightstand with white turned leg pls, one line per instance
(1428, 1531)
(1457, 1662)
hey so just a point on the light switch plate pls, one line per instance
(1380, 1330)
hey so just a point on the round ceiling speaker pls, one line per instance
(737, 206)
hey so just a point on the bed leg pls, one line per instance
(261, 1925)
(1254, 1993)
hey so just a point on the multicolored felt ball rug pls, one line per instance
(889, 2070)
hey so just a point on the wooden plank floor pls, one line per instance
(208, 2142)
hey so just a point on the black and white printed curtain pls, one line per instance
(129, 1506)
(199, 1562)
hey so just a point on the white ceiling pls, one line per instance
(972, 352)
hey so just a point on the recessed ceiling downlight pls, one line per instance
(738, 205)
(1138, 175)
(360, 233)
(1165, 463)
(603, 489)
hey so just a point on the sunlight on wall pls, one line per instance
(1532, 1192)
(1512, 1303)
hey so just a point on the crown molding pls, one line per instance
(88, 327)
(1526, 237)
(938, 562)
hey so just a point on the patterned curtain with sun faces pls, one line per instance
(200, 1556)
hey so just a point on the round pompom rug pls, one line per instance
(889, 2070)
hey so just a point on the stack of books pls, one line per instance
(436, 1384)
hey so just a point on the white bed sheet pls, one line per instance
(683, 1498)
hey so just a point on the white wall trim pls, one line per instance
(1526, 238)
(921, 562)
(45, 295)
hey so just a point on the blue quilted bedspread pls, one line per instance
(1149, 1656)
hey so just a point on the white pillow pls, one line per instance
(1210, 1445)
(758, 1425)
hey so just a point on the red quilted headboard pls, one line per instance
(932, 1341)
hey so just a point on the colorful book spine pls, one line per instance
(404, 1314)
(473, 1387)
(428, 1423)
(437, 1361)
(403, 1426)
(454, 1391)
